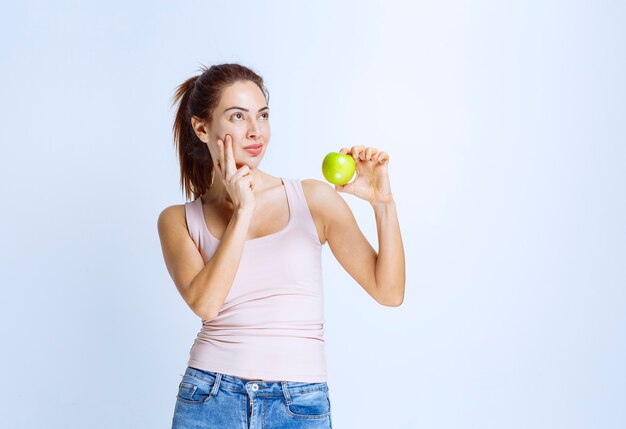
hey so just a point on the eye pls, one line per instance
(265, 115)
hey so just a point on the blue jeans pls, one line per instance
(210, 400)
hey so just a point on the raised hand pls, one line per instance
(239, 183)
(372, 180)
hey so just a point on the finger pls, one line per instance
(344, 150)
(382, 157)
(356, 150)
(229, 157)
(369, 153)
(361, 153)
(225, 157)
(243, 172)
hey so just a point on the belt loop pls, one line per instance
(286, 392)
(216, 385)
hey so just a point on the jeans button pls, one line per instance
(255, 387)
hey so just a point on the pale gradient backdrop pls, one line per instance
(505, 126)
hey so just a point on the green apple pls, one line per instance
(338, 168)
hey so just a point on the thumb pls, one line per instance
(342, 188)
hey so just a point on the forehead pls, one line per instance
(242, 93)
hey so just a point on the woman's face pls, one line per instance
(243, 114)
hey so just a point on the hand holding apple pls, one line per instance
(372, 180)
(338, 168)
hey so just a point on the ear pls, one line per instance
(201, 129)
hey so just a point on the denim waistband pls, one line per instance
(257, 387)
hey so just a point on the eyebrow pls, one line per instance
(245, 110)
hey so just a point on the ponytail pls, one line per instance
(196, 165)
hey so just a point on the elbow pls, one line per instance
(211, 314)
(210, 317)
(393, 296)
(203, 312)
(199, 305)
(392, 302)
(206, 315)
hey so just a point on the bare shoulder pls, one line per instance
(173, 211)
(320, 195)
(325, 203)
(172, 215)
(314, 187)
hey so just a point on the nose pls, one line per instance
(254, 130)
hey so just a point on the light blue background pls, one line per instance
(505, 126)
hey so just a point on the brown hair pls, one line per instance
(199, 96)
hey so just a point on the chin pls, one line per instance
(251, 165)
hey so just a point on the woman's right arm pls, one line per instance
(203, 287)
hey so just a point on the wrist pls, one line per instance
(244, 213)
(387, 201)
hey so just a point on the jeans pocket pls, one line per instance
(310, 404)
(194, 391)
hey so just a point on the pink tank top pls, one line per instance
(271, 326)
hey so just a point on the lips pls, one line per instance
(253, 146)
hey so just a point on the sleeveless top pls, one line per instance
(271, 326)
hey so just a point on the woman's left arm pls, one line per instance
(390, 277)
(380, 273)
(372, 184)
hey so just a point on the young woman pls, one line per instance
(245, 255)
